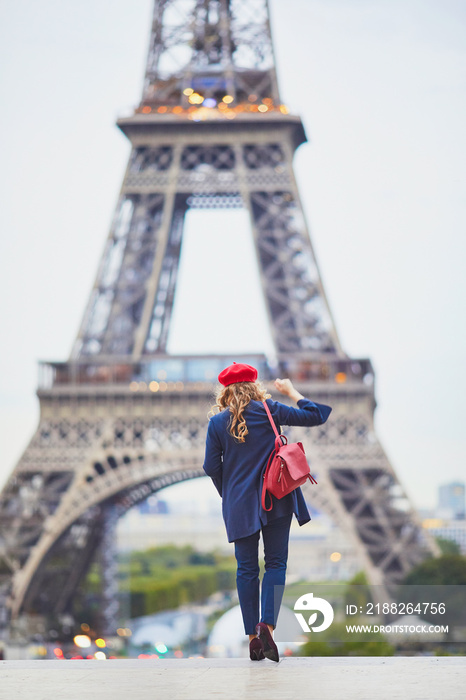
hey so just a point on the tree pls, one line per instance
(447, 570)
(448, 546)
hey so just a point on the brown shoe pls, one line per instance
(270, 648)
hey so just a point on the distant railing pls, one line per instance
(174, 372)
(334, 370)
(156, 370)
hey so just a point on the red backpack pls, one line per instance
(287, 467)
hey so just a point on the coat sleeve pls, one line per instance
(213, 460)
(308, 413)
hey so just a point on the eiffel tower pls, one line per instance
(122, 418)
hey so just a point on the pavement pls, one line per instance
(300, 678)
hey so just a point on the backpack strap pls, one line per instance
(278, 442)
(280, 439)
(264, 490)
(272, 422)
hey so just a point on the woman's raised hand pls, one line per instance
(286, 387)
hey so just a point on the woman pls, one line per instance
(239, 441)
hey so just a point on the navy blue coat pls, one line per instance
(237, 468)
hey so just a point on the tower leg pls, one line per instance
(109, 570)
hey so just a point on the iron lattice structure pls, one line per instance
(123, 419)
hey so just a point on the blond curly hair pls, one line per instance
(236, 398)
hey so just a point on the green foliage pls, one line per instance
(202, 558)
(358, 591)
(155, 561)
(448, 546)
(359, 579)
(363, 644)
(163, 578)
(181, 586)
(93, 579)
(449, 569)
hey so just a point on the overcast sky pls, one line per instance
(380, 86)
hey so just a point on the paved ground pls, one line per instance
(363, 678)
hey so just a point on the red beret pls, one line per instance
(237, 373)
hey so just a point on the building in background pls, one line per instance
(448, 519)
(454, 530)
(451, 501)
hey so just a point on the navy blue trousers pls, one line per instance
(275, 536)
